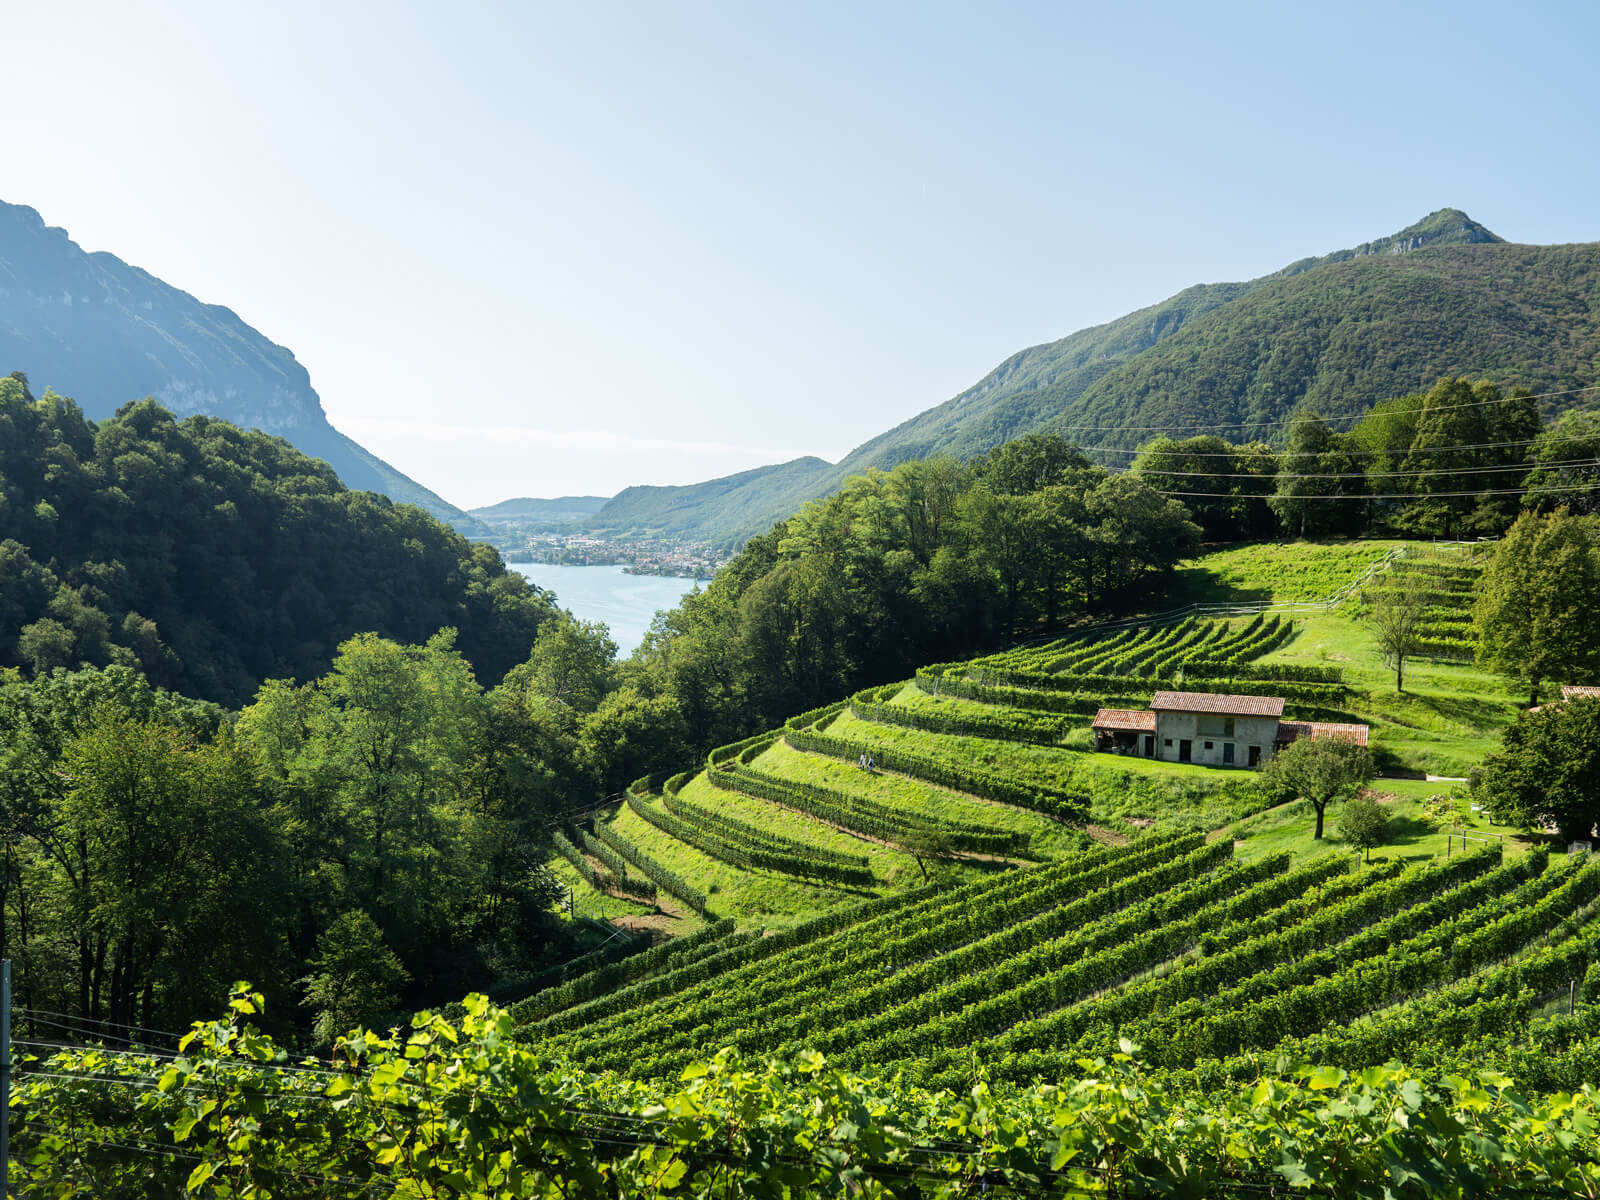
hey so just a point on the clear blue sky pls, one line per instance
(531, 249)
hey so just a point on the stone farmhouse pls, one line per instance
(1210, 728)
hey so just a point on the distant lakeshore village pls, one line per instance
(687, 560)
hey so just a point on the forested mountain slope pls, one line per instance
(106, 333)
(710, 510)
(214, 557)
(1340, 333)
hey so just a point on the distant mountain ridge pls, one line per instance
(1340, 331)
(528, 514)
(105, 333)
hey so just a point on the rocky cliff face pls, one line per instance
(105, 333)
(1446, 227)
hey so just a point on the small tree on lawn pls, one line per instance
(1547, 771)
(1397, 617)
(1320, 770)
(1364, 824)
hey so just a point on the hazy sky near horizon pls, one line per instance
(538, 249)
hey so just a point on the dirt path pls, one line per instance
(661, 924)
(1106, 837)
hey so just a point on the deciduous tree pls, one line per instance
(1396, 617)
(1364, 824)
(1320, 770)
(1536, 612)
(1547, 771)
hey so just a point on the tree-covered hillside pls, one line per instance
(213, 557)
(712, 509)
(1339, 332)
(1341, 337)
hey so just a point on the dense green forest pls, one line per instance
(372, 837)
(212, 557)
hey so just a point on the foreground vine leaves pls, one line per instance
(456, 1108)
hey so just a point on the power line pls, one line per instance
(1583, 487)
(1502, 469)
(1350, 450)
(90, 1024)
(1508, 397)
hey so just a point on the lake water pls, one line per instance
(626, 603)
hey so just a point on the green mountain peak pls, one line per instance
(1446, 227)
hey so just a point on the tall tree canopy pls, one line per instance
(1547, 771)
(1536, 612)
(1320, 770)
(1315, 471)
(153, 851)
(212, 557)
(1240, 476)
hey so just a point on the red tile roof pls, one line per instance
(1288, 731)
(1575, 691)
(1216, 702)
(1125, 720)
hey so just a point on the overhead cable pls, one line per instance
(1509, 396)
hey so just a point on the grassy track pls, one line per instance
(762, 898)
(589, 902)
(1283, 571)
(1047, 838)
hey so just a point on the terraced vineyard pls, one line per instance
(1168, 941)
(1446, 578)
(1292, 572)
(971, 763)
(1081, 673)
(926, 917)
(986, 891)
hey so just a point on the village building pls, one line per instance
(1210, 728)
